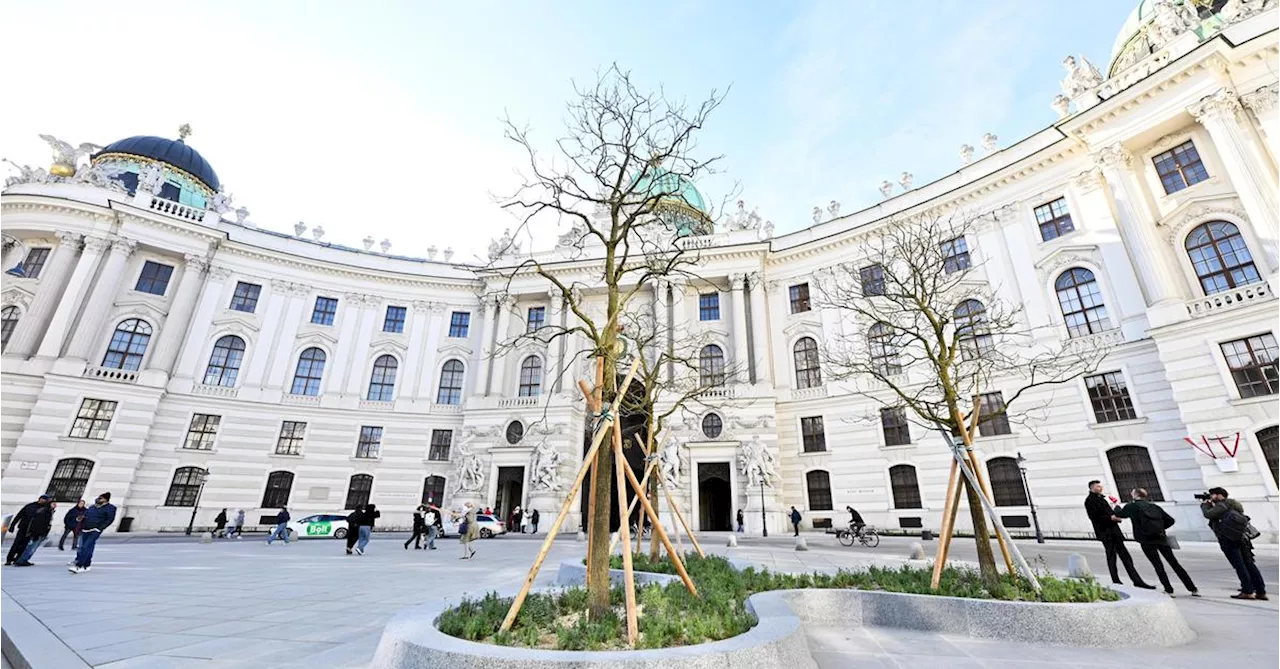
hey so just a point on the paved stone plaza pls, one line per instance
(176, 604)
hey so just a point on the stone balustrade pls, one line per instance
(517, 402)
(209, 390)
(176, 209)
(1230, 299)
(110, 374)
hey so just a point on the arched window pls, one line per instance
(358, 490)
(277, 493)
(711, 366)
(971, 328)
(128, 345)
(306, 378)
(884, 351)
(450, 383)
(382, 385)
(433, 490)
(1269, 440)
(1220, 256)
(70, 477)
(906, 489)
(8, 321)
(712, 425)
(531, 376)
(819, 484)
(224, 362)
(1082, 307)
(808, 372)
(1131, 468)
(185, 487)
(1006, 482)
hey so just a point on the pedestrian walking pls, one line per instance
(353, 528)
(1106, 527)
(468, 530)
(96, 519)
(38, 527)
(795, 520)
(282, 527)
(524, 523)
(71, 524)
(219, 523)
(739, 521)
(431, 518)
(1150, 529)
(533, 520)
(371, 514)
(20, 525)
(236, 526)
(514, 521)
(1231, 526)
(419, 528)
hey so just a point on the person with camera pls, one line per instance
(1228, 522)
(1106, 526)
(1150, 526)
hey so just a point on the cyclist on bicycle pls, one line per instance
(855, 520)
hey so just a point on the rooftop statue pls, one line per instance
(151, 179)
(67, 157)
(503, 246)
(886, 188)
(1080, 77)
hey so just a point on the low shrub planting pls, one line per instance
(670, 616)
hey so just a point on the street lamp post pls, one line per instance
(204, 475)
(764, 520)
(1035, 520)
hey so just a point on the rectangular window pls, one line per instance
(33, 264)
(93, 419)
(1054, 219)
(709, 307)
(291, 435)
(246, 297)
(955, 255)
(1180, 167)
(370, 442)
(872, 278)
(536, 319)
(894, 423)
(394, 321)
(326, 308)
(1253, 364)
(1109, 397)
(201, 432)
(460, 324)
(815, 440)
(800, 298)
(441, 441)
(992, 404)
(154, 278)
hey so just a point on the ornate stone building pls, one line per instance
(159, 345)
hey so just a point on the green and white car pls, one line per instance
(319, 526)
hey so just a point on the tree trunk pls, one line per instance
(981, 537)
(598, 537)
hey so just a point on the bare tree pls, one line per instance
(619, 178)
(938, 345)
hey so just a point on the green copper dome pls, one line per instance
(1132, 43)
(679, 202)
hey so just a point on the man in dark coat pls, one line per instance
(38, 527)
(533, 521)
(353, 527)
(21, 527)
(71, 525)
(794, 517)
(1106, 526)
(219, 523)
(419, 528)
(1150, 523)
(97, 518)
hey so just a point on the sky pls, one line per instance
(385, 118)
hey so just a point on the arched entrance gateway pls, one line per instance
(633, 423)
(715, 497)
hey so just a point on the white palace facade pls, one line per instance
(160, 350)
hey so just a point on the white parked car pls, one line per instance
(318, 526)
(490, 526)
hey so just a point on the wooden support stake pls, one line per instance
(596, 440)
(679, 516)
(944, 538)
(662, 534)
(593, 406)
(628, 576)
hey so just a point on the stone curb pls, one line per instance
(27, 644)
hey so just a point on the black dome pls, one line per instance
(171, 152)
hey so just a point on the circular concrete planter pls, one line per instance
(411, 639)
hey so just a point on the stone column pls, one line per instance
(497, 363)
(1263, 103)
(73, 297)
(1246, 165)
(741, 355)
(176, 323)
(343, 352)
(427, 368)
(781, 354)
(759, 329)
(487, 304)
(555, 348)
(1146, 248)
(101, 299)
(281, 365)
(49, 293)
(201, 322)
(419, 312)
(662, 323)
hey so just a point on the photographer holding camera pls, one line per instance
(1228, 522)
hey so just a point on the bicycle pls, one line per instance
(648, 530)
(866, 535)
